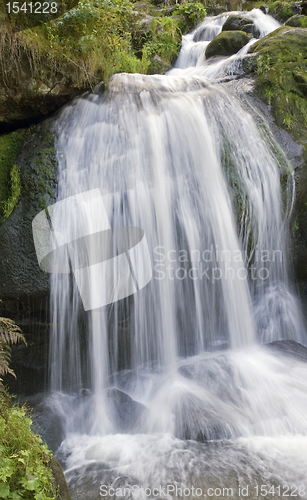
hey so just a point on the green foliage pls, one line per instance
(10, 333)
(24, 460)
(9, 173)
(96, 36)
(192, 13)
(9, 204)
(163, 40)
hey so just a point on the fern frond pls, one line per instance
(5, 359)
(10, 333)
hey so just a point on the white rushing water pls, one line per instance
(181, 360)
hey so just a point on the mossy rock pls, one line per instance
(59, 480)
(227, 43)
(299, 221)
(297, 21)
(281, 75)
(281, 11)
(281, 81)
(34, 80)
(240, 23)
(20, 275)
(282, 45)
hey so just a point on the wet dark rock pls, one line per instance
(240, 23)
(99, 88)
(199, 420)
(289, 348)
(60, 481)
(227, 43)
(20, 275)
(127, 413)
(249, 63)
(47, 422)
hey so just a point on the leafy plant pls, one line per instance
(25, 471)
(192, 12)
(163, 40)
(24, 461)
(10, 333)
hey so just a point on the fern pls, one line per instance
(10, 334)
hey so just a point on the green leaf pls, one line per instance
(4, 490)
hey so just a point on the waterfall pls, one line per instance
(180, 157)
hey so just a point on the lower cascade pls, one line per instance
(192, 380)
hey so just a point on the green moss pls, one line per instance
(40, 177)
(227, 43)
(297, 21)
(281, 77)
(282, 10)
(9, 173)
(24, 471)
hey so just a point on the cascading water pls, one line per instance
(180, 157)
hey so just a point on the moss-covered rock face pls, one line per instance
(227, 43)
(280, 70)
(297, 21)
(281, 77)
(299, 221)
(9, 173)
(282, 10)
(240, 23)
(36, 162)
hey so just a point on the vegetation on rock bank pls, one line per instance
(27, 467)
(25, 470)
(43, 67)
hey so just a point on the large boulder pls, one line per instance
(279, 62)
(20, 275)
(282, 10)
(227, 43)
(24, 288)
(281, 76)
(240, 23)
(297, 21)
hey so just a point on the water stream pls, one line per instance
(173, 384)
